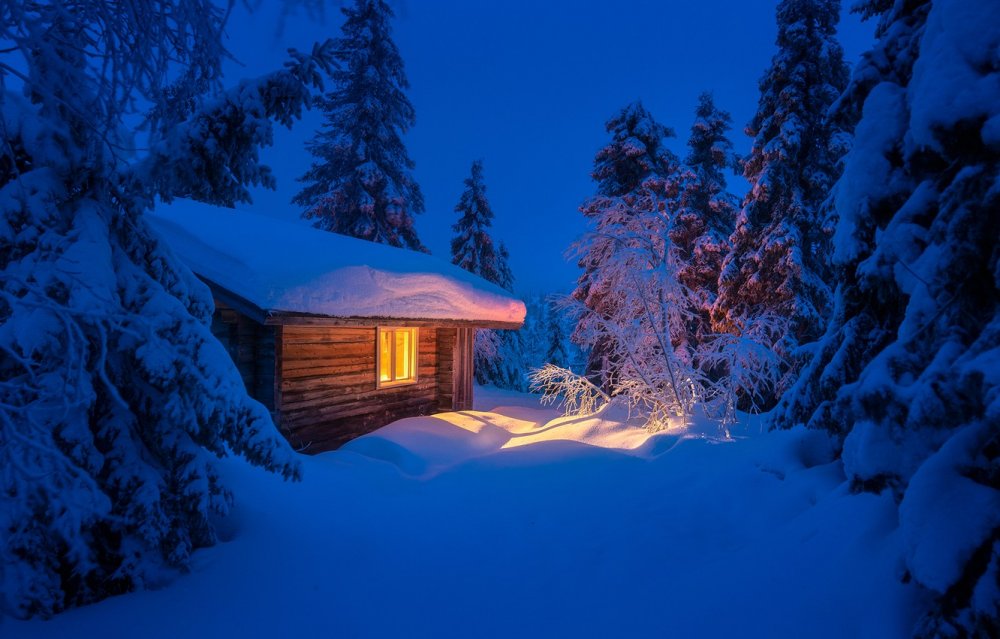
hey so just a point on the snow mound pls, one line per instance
(427, 446)
(290, 267)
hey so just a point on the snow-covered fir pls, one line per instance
(360, 183)
(472, 246)
(907, 375)
(499, 354)
(705, 211)
(778, 261)
(115, 398)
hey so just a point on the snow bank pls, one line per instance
(291, 267)
(513, 523)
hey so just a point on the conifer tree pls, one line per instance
(906, 374)
(636, 153)
(115, 398)
(705, 212)
(510, 370)
(472, 247)
(505, 275)
(499, 355)
(779, 257)
(555, 353)
(361, 183)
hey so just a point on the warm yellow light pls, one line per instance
(397, 356)
(385, 356)
(402, 354)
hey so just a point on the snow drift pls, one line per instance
(290, 267)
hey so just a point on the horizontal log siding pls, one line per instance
(327, 386)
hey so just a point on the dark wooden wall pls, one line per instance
(252, 347)
(328, 393)
(446, 367)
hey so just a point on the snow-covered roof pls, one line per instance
(287, 267)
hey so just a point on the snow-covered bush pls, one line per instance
(115, 398)
(742, 367)
(573, 394)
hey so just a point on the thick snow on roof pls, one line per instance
(286, 266)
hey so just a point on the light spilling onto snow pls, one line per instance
(290, 267)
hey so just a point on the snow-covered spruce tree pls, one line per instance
(360, 183)
(701, 217)
(114, 396)
(555, 351)
(778, 261)
(499, 356)
(908, 371)
(534, 332)
(636, 152)
(706, 211)
(472, 246)
(511, 371)
(472, 249)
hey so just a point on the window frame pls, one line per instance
(414, 355)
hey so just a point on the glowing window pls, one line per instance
(397, 356)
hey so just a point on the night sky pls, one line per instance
(527, 87)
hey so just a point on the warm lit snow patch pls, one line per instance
(286, 266)
(424, 446)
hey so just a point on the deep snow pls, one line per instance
(283, 266)
(506, 523)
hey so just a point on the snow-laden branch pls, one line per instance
(574, 394)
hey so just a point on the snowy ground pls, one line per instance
(505, 523)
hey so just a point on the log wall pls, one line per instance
(327, 392)
(319, 382)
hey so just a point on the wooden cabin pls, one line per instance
(336, 336)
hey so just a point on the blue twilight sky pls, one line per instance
(527, 86)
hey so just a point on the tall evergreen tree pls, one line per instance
(115, 398)
(499, 355)
(510, 369)
(779, 257)
(906, 375)
(636, 153)
(555, 352)
(472, 247)
(706, 211)
(505, 275)
(360, 183)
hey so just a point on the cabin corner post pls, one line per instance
(462, 368)
(279, 343)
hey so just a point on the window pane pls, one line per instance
(385, 355)
(403, 343)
